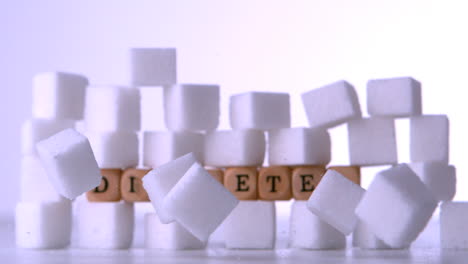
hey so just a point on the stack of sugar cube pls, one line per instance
(43, 214)
(412, 191)
(194, 174)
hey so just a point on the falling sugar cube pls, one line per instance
(397, 206)
(334, 201)
(69, 161)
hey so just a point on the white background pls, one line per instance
(243, 45)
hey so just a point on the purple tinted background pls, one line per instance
(242, 45)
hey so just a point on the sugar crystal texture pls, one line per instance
(372, 141)
(334, 201)
(299, 146)
(112, 108)
(170, 236)
(394, 97)
(161, 147)
(230, 148)
(308, 231)
(105, 225)
(251, 225)
(331, 105)
(429, 138)
(199, 202)
(58, 95)
(191, 107)
(43, 225)
(397, 206)
(160, 181)
(37, 129)
(259, 110)
(453, 228)
(114, 149)
(438, 177)
(69, 162)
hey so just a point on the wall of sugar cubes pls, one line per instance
(243, 46)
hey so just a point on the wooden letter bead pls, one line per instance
(274, 183)
(218, 174)
(109, 189)
(305, 179)
(352, 173)
(131, 185)
(242, 182)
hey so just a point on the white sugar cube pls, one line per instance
(394, 97)
(153, 66)
(159, 181)
(112, 108)
(453, 227)
(397, 206)
(191, 107)
(307, 231)
(334, 201)
(152, 108)
(38, 129)
(235, 148)
(43, 225)
(114, 149)
(168, 236)
(429, 138)
(364, 238)
(162, 147)
(58, 95)
(331, 105)
(298, 146)
(104, 225)
(251, 225)
(259, 110)
(439, 178)
(69, 162)
(34, 182)
(199, 202)
(372, 141)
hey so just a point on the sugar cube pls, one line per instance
(199, 202)
(168, 236)
(114, 149)
(372, 141)
(104, 225)
(162, 147)
(364, 238)
(191, 107)
(34, 182)
(251, 225)
(160, 181)
(37, 129)
(394, 97)
(411, 203)
(153, 66)
(307, 231)
(331, 105)
(112, 108)
(69, 162)
(429, 138)
(229, 148)
(260, 110)
(439, 178)
(453, 228)
(43, 225)
(58, 95)
(152, 108)
(298, 146)
(334, 201)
